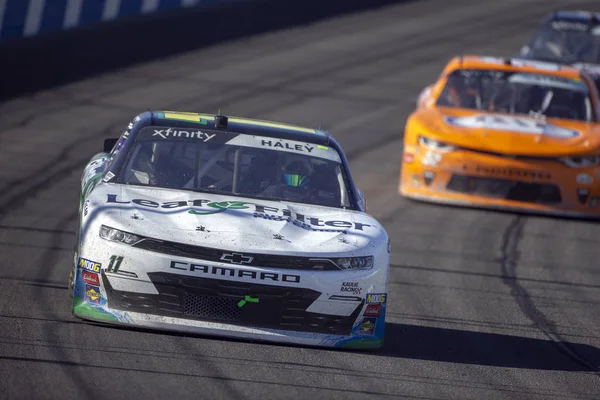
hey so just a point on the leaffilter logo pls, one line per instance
(220, 206)
(247, 299)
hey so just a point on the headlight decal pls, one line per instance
(354, 263)
(580, 161)
(435, 145)
(343, 263)
(115, 235)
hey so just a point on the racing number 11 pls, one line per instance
(115, 263)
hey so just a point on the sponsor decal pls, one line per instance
(247, 299)
(516, 124)
(376, 298)
(428, 177)
(130, 126)
(278, 144)
(91, 175)
(569, 25)
(304, 225)
(90, 277)
(372, 310)
(492, 60)
(207, 207)
(86, 208)
(221, 206)
(584, 179)
(114, 267)
(594, 202)
(415, 181)
(351, 287)
(182, 133)
(512, 173)
(408, 157)
(96, 166)
(236, 258)
(183, 116)
(287, 145)
(582, 195)
(431, 158)
(89, 265)
(92, 294)
(109, 175)
(367, 326)
(546, 65)
(234, 272)
(114, 263)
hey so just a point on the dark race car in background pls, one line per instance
(568, 37)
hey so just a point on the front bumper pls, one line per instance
(492, 181)
(145, 291)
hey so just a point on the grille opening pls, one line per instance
(543, 193)
(215, 300)
(211, 307)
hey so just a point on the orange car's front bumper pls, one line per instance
(494, 181)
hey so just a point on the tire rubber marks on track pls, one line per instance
(509, 261)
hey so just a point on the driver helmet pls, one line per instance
(296, 172)
(462, 92)
(154, 159)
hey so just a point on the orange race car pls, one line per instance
(506, 133)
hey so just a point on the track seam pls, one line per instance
(510, 256)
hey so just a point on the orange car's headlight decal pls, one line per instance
(436, 145)
(581, 161)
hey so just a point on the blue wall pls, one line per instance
(23, 18)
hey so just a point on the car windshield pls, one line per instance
(566, 42)
(236, 164)
(534, 94)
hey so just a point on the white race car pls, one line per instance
(231, 227)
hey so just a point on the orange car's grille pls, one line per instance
(512, 156)
(505, 189)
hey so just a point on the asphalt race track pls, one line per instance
(483, 305)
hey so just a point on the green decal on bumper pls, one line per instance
(363, 343)
(81, 309)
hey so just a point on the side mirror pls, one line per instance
(362, 200)
(109, 144)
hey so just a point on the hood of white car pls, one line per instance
(233, 223)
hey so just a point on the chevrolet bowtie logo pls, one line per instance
(236, 258)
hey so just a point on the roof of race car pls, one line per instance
(512, 64)
(241, 125)
(587, 17)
